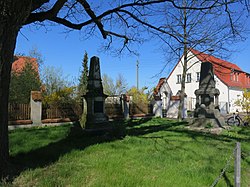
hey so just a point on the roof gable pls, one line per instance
(230, 74)
(158, 87)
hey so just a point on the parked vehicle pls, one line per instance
(236, 120)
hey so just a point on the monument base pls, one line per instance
(204, 122)
(108, 129)
(96, 120)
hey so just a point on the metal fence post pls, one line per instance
(237, 165)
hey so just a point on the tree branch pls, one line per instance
(150, 25)
(37, 4)
(91, 13)
(42, 16)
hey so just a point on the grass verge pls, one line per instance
(154, 152)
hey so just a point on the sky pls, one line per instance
(66, 51)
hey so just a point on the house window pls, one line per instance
(236, 77)
(198, 76)
(231, 76)
(178, 78)
(189, 77)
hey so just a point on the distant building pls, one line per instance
(21, 61)
(229, 78)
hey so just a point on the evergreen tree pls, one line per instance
(83, 80)
(22, 83)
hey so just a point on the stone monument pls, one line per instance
(207, 103)
(36, 107)
(95, 98)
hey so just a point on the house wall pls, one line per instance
(166, 93)
(170, 107)
(223, 97)
(234, 94)
(195, 65)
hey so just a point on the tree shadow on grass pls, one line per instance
(79, 140)
(195, 135)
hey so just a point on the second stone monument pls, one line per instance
(95, 97)
(207, 103)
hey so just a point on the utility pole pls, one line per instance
(137, 75)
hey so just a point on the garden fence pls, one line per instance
(236, 154)
(19, 112)
(67, 111)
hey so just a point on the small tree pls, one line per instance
(110, 88)
(83, 80)
(244, 102)
(60, 98)
(139, 100)
(54, 80)
(23, 82)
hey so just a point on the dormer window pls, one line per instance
(234, 76)
(248, 79)
(231, 76)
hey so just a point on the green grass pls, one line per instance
(154, 152)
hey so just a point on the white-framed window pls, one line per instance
(188, 77)
(198, 75)
(178, 78)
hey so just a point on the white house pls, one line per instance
(166, 104)
(230, 80)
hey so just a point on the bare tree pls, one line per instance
(123, 20)
(110, 88)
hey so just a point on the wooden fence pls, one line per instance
(23, 111)
(72, 112)
(140, 108)
(19, 112)
(113, 110)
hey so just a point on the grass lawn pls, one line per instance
(154, 152)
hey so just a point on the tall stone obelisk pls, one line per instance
(95, 97)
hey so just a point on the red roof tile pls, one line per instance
(158, 87)
(21, 61)
(229, 73)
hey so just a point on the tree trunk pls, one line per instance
(7, 45)
(184, 72)
(12, 15)
(183, 86)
